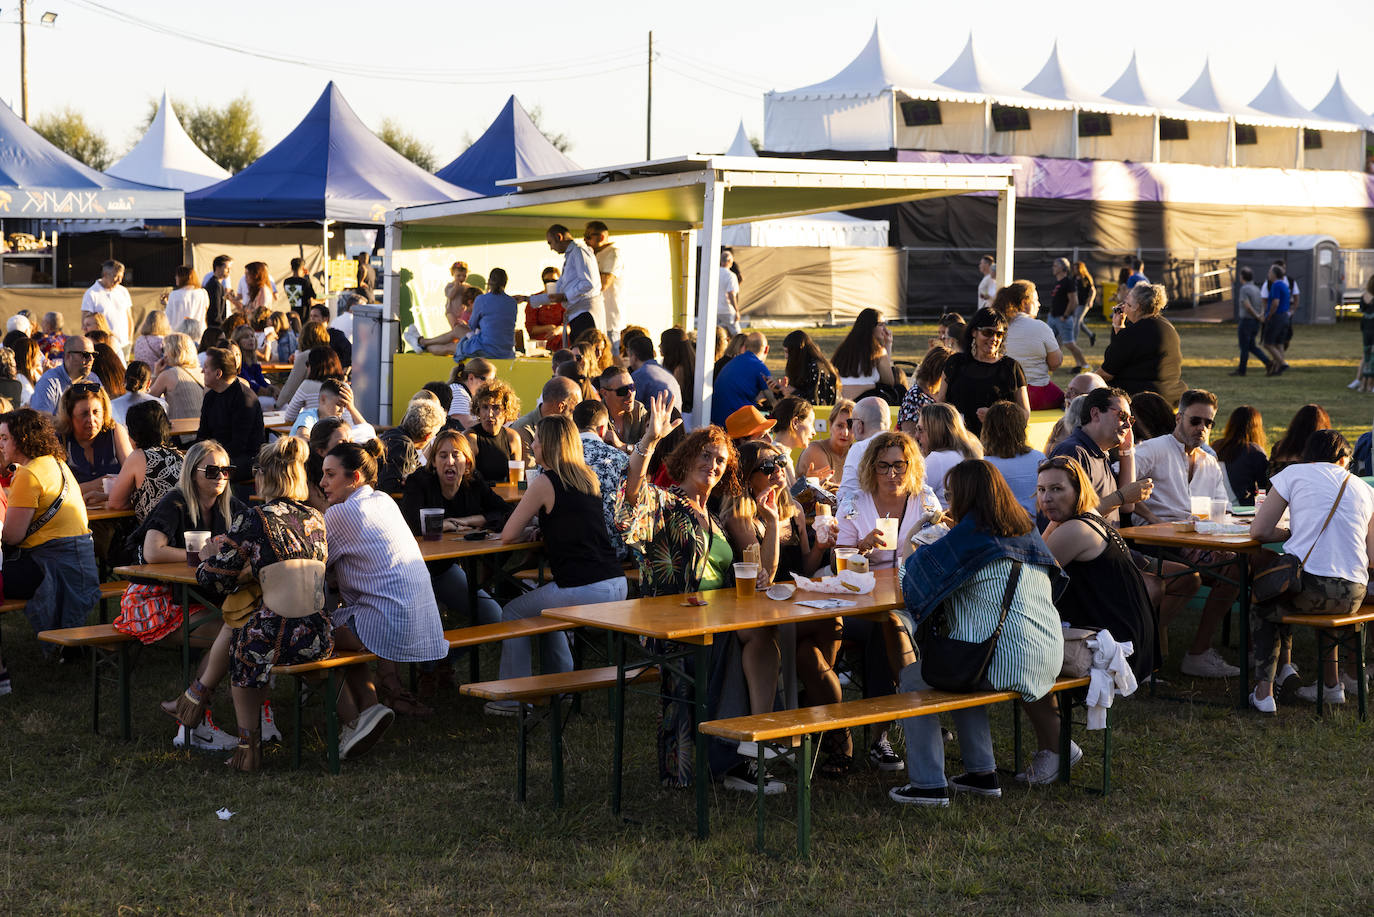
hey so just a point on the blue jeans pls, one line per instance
(1246, 330)
(451, 589)
(1065, 329)
(555, 650)
(925, 749)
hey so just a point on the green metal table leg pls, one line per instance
(618, 717)
(1016, 737)
(761, 781)
(1321, 675)
(184, 594)
(804, 797)
(331, 721)
(95, 691)
(556, 748)
(474, 652)
(126, 728)
(1107, 754)
(1246, 686)
(520, 755)
(1065, 735)
(299, 724)
(1361, 692)
(701, 774)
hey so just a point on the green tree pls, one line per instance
(228, 134)
(409, 146)
(560, 142)
(68, 131)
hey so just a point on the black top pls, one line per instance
(972, 384)
(1059, 297)
(817, 386)
(105, 461)
(493, 454)
(575, 538)
(339, 341)
(423, 491)
(214, 315)
(400, 461)
(1248, 473)
(299, 292)
(1146, 357)
(233, 418)
(1085, 293)
(1108, 592)
(172, 518)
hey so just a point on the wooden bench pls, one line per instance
(784, 727)
(1333, 632)
(540, 690)
(458, 638)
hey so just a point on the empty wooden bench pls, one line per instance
(787, 728)
(458, 638)
(1333, 632)
(540, 690)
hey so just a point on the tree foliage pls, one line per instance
(228, 134)
(68, 131)
(560, 141)
(408, 145)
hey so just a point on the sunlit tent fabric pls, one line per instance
(1194, 135)
(39, 181)
(1114, 130)
(1335, 144)
(1338, 105)
(167, 156)
(511, 147)
(330, 167)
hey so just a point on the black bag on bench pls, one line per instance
(23, 576)
(958, 665)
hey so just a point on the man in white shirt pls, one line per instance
(987, 287)
(578, 287)
(108, 295)
(1180, 469)
(611, 268)
(870, 417)
(727, 312)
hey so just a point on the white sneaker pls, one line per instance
(1350, 685)
(206, 736)
(750, 750)
(1354, 384)
(501, 707)
(1331, 694)
(1044, 767)
(1265, 705)
(1207, 665)
(363, 733)
(270, 732)
(412, 337)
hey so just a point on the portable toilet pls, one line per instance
(1312, 262)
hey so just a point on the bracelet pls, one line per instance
(1120, 500)
(1127, 453)
(640, 449)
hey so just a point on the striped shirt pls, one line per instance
(385, 594)
(1030, 650)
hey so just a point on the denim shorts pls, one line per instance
(1065, 329)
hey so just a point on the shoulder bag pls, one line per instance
(23, 575)
(958, 665)
(1282, 577)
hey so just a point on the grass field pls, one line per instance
(1213, 812)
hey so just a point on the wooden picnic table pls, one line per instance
(104, 513)
(1164, 536)
(185, 426)
(666, 618)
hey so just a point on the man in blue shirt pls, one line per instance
(78, 357)
(743, 380)
(1277, 316)
(492, 323)
(649, 377)
(1137, 273)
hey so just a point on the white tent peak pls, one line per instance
(167, 156)
(1275, 99)
(741, 146)
(874, 70)
(1339, 106)
(968, 74)
(1054, 83)
(1203, 93)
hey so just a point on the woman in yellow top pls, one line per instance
(55, 570)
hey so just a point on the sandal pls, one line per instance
(405, 704)
(189, 708)
(837, 765)
(247, 758)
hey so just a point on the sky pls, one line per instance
(442, 70)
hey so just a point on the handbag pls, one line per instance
(1078, 656)
(1282, 577)
(959, 665)
(23, 575)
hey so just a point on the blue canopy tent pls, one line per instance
(512, 147)
(40, 182)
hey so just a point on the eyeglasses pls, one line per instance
(215, 472)
(622, 392)
(86, 388)
(1201, 421)
(993, 333)
(890, 467)
(1123, 415)
(85, 355)
(767, 467)
(1060, 462)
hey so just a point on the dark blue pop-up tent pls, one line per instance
(512, 147)
(331, 167)
(39, 181)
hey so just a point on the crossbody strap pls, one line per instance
(39, 521)
(1007, 595)
(1339, 495)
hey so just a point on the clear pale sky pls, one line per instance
(585, 65)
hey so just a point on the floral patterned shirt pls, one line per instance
(263, 535)
(674, 547)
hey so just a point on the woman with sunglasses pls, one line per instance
(824, 458)
(97, 447)
(154, 465)
(983, 374)
(495, 444)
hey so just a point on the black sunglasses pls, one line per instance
(86, 388)
(767, 467)
(83, 354)
(621, 392)
(1200, 422)
(215, 472)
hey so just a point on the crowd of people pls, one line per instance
(310, 538)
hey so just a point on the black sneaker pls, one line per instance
(744, 777)
(977, 784)
(918, 796)
(884, 758)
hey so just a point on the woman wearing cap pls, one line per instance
(983, 374)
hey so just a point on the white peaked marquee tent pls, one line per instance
(168, 157)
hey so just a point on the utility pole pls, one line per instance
(23, 61)
(649, 105)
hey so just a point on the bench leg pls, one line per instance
(803, 796)
(618, 717)
(556, 748)
(1065, 735)
(1321, 673)
(522, 730)
(1360, 692)
(1107, 753)
(474, 653)
(125, 714)
(331, 721)
(701, 774)
(298, 725)
(95, 691)
(1015, 737)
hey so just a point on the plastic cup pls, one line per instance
(1219, 510)
(551, 287)
(1202, 507)
(746, 579)
(517, 471)
(194, 542)
(822, 509)
(431, 524)
(842, 557)
(106, 483)
(887, 530)
(858, 564)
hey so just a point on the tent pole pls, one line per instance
(324, 242)
(1006, 229)
(987, 131)
(1231, 142)
(1154, 140)
(708, 296)
(391, 298)
(682, 309)
(1074, 131)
